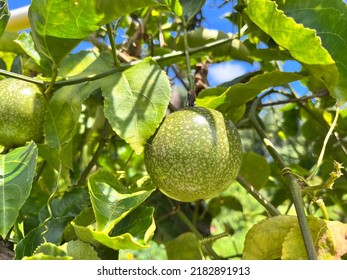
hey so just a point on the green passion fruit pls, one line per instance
(195, 154)
(22, 111)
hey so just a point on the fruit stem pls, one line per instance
(49, 91)
(291, 180)
(191, 91)
(273, 211)
(113, 45)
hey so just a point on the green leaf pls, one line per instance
(68, 206)
(77, 63)
(63, 210)
(255, 170)
(84, 218)
(216, 204)
(281, 238)
(59, 25)
(8, 44)
(42, 256)
(4, 16)
(329, 238)
(339, 232)
(48, 232)
(59, 159)
(239, 94)
(26, 42)
(62, 115)
(136, 101)
(301, 42)
(111, 201)
(264, 240)
(184, 247)
(124, 241)
(139, 223)
(17, 170)
(48, 251)
(80, 250)
(293, 247)
(191, 8)
(328, 18)
(174, 6)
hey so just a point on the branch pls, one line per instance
(261, 199)
(295, 100)
(123, 66)
(290, 180)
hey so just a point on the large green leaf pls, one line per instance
(48, 251)
(51, 229)
(255, 170)
(264, 240)
(136, 101)
(112, 201)
(139, 223)
(26, 42)
(281, 238)
(293, 247)
(65, 106)
(4, 16)
(8, 44)
(59, 25)
(48, 232)
(329, 19)
(239, 94)
(62, 115)
(124, 241)
(17, 170)
(80, 250)
(184, 247)
(301, 42)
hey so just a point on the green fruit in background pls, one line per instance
(22, 111)
(195, 154)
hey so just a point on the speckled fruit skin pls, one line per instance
(22, 110)
(195, 154)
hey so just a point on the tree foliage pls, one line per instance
(84, 193)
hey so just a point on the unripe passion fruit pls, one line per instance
(22, 110)
(195, 154)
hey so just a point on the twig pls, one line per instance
(123, 66)
(291, 181)
(21, 77)
(113, 45)
(295, 100)
(261, 199)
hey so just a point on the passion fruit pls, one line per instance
(22, 111)
(195, 154)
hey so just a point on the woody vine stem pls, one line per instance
(291, 181)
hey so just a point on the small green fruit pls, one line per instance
(22, 111)
(195, 154)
